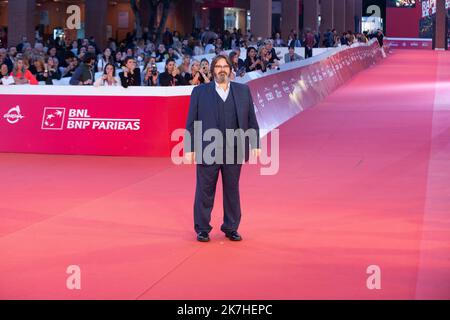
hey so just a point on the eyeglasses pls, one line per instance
(222, 67)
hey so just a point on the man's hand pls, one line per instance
(256, 153)
(190, 157)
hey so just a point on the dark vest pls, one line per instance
(227, 119)
(227, 112)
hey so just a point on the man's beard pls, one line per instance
(221, 77)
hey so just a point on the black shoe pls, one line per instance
(203, 237)
(233, 236)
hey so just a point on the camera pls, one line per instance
(154, 69)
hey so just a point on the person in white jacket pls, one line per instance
(104, 59)
(108, 79)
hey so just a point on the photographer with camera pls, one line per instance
(151, 75)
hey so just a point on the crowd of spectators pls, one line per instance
(133, 62)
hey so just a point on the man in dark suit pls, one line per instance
(225, 107)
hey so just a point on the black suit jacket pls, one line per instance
(203, 107)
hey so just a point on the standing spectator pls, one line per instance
(171, 77)
(108, 78)
(278, 41)
(344, 39)
(310, 43)
(168, 38)
(21, 74)
(317, 39)
(294, 41)
(131, 75)
(84, 74)
(176, 39)
(329, 39)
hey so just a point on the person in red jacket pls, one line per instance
(21, 73)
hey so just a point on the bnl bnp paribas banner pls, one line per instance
(374, 15)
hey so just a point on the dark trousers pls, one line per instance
(207, 176)
(308, 52)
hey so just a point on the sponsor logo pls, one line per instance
(53, 118)
(13, 115)
(80, 119)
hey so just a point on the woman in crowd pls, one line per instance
(108, 79)
(205, 71)
(21, 74)
(42, 72)
(195, 78)
(171, 77)
(151, 74)
(105, 59)
(53, 68)
(131, 75)
(82, 53)
(3, 73)
(252, 62)
(264, 56)
(185, 67)
(118, 61)
(234, 58)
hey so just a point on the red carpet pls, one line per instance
(364, 180)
